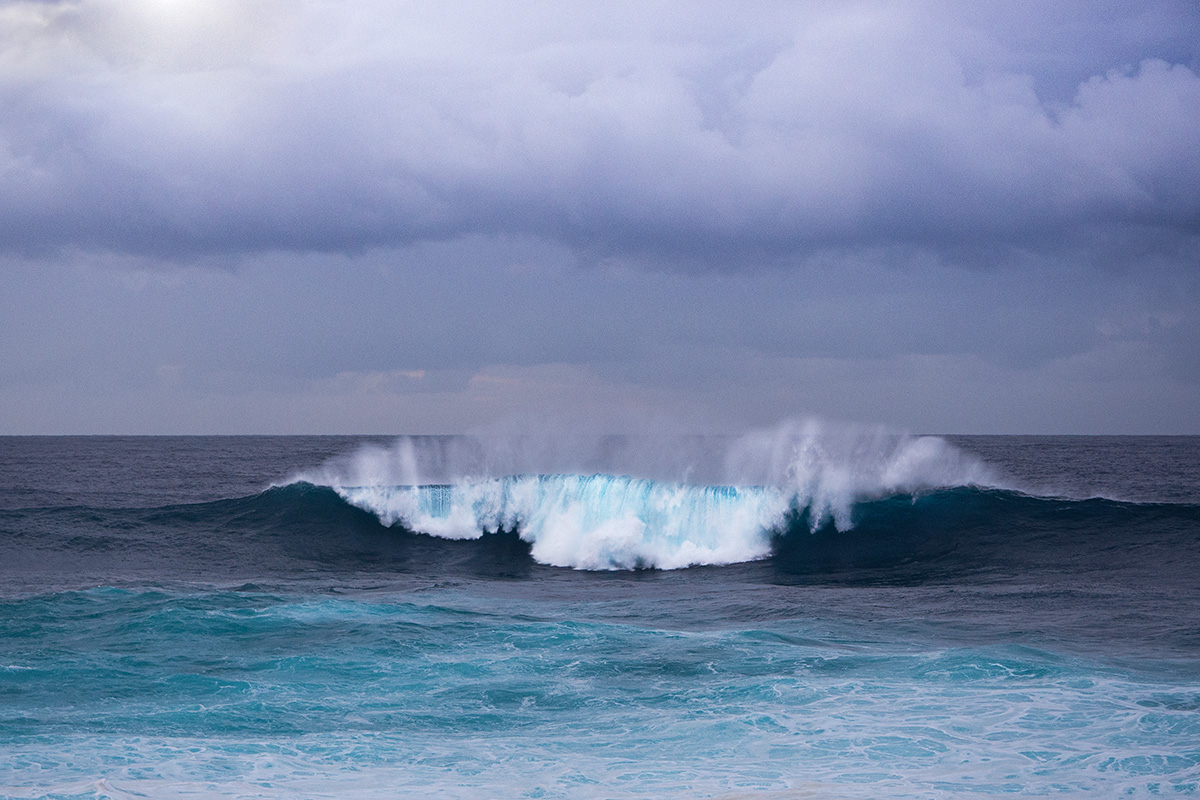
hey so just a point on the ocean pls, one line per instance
(812, 611)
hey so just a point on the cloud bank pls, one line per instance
(238, 216)
(719, 134)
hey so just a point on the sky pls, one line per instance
(358, 216)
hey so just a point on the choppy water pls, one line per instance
(868, 616)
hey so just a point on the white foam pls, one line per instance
(591, 522)
(617, 518)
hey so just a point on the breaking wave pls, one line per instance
(628, 502)
(593, 521)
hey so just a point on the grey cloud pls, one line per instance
(432, 308)
(663, 137)
(441, 336)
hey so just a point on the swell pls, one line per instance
(288, 533)
(975, 533)
(949, 534)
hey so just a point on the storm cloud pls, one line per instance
(664, 131)
(250, 215)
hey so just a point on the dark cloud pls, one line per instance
(258, 216)
(723, 137)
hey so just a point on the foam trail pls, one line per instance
(624, 502)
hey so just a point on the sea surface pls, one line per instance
(812, 611)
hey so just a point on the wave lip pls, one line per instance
(594, 522)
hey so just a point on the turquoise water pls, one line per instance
(250, 694)
(948, 642)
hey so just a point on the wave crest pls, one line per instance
(644, 501)
(829, 468)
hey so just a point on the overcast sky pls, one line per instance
(359, 216)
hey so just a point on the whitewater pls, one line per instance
(768, 480)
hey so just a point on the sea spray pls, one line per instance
(643, 501)
(827, 468)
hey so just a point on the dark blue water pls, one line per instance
(865, 615)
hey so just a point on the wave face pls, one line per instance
(652, 502)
